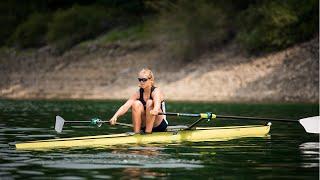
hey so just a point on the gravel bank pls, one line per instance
(110, 71)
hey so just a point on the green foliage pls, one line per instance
(186, 28)
(14, 12)
(116, 35)
(274, 25)
(133, 33)
(32, 32)
(78, 23)
(192, 27)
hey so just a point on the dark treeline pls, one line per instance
(191, 27)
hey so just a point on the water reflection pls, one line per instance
(143, 151)
(138, 173)
(310, 154)
(151, 158)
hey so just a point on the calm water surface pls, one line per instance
(286, 153)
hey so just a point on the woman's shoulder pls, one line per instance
(157, 90)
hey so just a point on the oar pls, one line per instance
(95, 121)
(310, 124)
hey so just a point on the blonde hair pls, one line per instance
(148, 73)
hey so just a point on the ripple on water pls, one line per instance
(126, 164)
(3, 144)
(15, 158)
(23, 129)
(70, 178)
(10, 134)
(30, 172)
(146, 148)
(11, 166)
(310, 154)
(112, 160)
(35, 136)
(101, 177)
(5, 175)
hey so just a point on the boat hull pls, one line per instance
(198, 134)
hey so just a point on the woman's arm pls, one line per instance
(124, 108)
(157, 98)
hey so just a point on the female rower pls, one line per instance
(145, 104)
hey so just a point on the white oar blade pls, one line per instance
(59, 124)
(311, 124)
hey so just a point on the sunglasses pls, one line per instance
(143, 79)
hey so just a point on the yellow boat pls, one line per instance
(173, 135)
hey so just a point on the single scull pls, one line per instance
(173, 134)
(198, 134)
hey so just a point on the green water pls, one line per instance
(288, 152)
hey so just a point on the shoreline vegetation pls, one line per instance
(253, 51)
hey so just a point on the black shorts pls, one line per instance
(161, 128)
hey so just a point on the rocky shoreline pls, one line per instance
(109, 72)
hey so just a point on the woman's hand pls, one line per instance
(154, 112)
(113, 120)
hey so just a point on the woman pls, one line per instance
(145, 104)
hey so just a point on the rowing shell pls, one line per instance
(198, 134)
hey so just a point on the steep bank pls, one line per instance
(110, 71)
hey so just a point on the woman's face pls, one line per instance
(144, 81)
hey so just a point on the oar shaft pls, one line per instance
(255, 118)
(180, 114)
(227, 117)
(118, 123)
(123, 124)
(77, 121)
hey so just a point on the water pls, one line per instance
(287, 152)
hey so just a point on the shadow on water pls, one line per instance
(288, 152)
